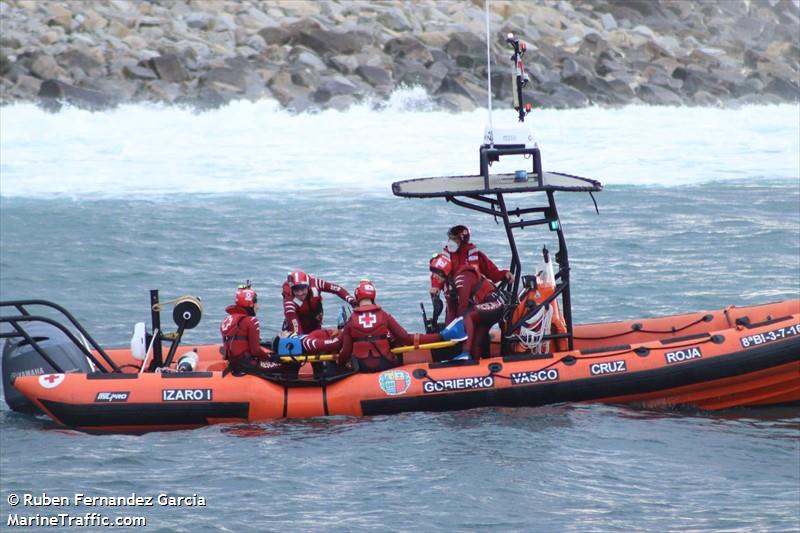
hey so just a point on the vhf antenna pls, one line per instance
(490, 133)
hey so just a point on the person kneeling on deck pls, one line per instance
(369, 333)
(478, 303)
(241, 334)
(302, 302)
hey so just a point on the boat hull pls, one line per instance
(752, 360)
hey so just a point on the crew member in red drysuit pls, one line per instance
(321, 341)
(370, 332)
(302, 302)
(241, 334)
(478, 302)
(462, 252)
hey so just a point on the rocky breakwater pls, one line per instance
(333, 53)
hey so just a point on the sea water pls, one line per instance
(700, 209)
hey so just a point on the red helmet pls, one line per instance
(441, 264)
(299, 280)
(460, 231)
(246, 297)
(366, 291)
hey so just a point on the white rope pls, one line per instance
(147, 355)
(534, 329)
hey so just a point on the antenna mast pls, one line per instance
(490, 133)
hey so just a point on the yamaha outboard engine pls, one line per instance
(21, 359)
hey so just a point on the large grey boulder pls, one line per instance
(408, 48)
(283, 88)
(80, 59)
(139, 72)
(54, 92)
(44, 67)
(375, 76)
(463, 86)
(411, 73)
(225, 79)
(467, 49)
(326, 42)
(304, 76)
(694, 79)
(455, 102)
(784, 88)
(275, 35)
(334, 86)
(656, 95)
(169, 68)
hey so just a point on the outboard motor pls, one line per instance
(21, 359)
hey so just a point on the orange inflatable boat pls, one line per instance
(748, 356)
(733, 357)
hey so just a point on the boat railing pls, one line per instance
(25, 316)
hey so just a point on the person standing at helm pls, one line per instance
(302, 302)
(241, 333)
(460, 251)
(477, 302)
(370, 332)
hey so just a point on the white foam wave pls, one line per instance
(258, 147)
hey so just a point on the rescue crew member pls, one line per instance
(241, 334)
(302, 302)
(321, 341)
(478, 303)
(460, 251)
(370, 332)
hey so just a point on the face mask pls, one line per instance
(436, 282)
(452, 246)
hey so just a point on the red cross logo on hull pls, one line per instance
(367, 320)
(51, 381)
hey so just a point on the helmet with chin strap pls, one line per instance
(298, 280)
(441, 264)
(366, 291)
(460, 231)
(245, 296)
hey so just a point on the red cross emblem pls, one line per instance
(367, 320)
(49, 381)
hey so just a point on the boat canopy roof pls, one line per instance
(497, 184)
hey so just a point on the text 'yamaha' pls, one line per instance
(186, 395)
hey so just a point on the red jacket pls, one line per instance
(369, 334)
(241, 335)
(321, 341)
(305, 316)
(468, 254)
(472, 288)
(366, 337)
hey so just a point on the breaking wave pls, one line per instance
(257, 147)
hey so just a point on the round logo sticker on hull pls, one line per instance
(394, 382)
(51, 381)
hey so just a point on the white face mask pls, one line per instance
(452, 246)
